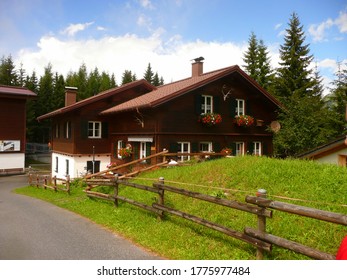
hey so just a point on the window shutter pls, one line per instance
(148, 151)
(264, 148)
(216, 147)
(104, 130)
(136, 150)
(233, 107)
(248, 108)
(216, 104)
(173, 147)
(198, 102)
(233, 148)
(195, 147)
(84, 129)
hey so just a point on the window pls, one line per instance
(206, 147)
(183, 147)
(207, 104)
(56, 164)
(94, 129)
(67, 167)
(143, 150)
(67, 130)
(56, 131)
(240, 107)
(240, 148)
(120, 145)
(93, 166)
(257, 149)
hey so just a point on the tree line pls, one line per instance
(308, 119)
(50, 89)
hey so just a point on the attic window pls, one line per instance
(240, 107)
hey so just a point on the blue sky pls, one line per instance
(117, 35)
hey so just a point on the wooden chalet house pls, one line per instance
(13, 128)
(203, 113)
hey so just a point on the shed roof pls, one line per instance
(170, 91)
(16, 91)
(330, 147)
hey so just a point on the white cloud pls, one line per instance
(72, 29)
(129, 52)
(146, 4)
(341, 22)
(318, 31)
(278, 25)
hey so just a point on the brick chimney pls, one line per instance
(70, 95)
(197, 67)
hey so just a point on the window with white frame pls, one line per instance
(67, 167)
(240, 148)
(207, 104)
(94, 129)
(240, 107)
(183, 147)
(56, 164)
(257, 148)
(205, 147)
(120, 145)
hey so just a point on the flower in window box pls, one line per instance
(244, 120)
(210, 119)
(111, 165)
(226, 151)
(125, 152)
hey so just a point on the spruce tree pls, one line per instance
(127, 77)
(304, 117)
(149, 75)
(251, 57)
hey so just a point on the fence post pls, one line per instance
(37, 180)
(115, 183)
(161, 197)
(68, 184)
(45, 182)
(55, 183)
(261, 223)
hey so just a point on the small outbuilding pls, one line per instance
(13, 102)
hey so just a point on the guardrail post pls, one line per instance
(115, 184)
(261, 223)
(45, 182)
(161, 197)
(37, 180)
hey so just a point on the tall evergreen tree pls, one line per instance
(304, 117)
(128, 77)
(149, 75)
(251, 57)
(32, 84)
(8, 75)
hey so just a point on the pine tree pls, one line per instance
(149, 75)
(128, 77)
(31, 83)
(304, 117)
(8, 75)
(251, 57)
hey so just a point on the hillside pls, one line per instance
(294, 181)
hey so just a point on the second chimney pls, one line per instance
(70, 95)
(197, 67)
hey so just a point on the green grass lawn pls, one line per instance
(311, 184)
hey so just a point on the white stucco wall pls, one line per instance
(332, 158)
(77, 164)
(12, 160)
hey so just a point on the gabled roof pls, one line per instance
(100, 96)
(16, 91)
(330, 147)
(170, 91)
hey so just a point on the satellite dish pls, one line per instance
(275, 126)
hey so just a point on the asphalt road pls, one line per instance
(31, 229)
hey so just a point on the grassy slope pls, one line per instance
(323, 186)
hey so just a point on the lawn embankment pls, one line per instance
(293, 181)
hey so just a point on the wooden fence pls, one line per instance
(48, 182)
(256, 205)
